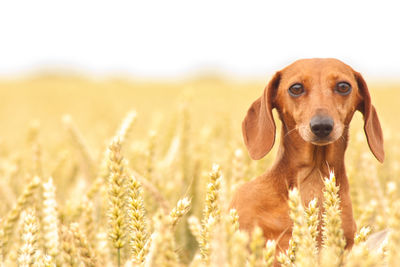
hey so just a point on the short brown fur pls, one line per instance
(301, 161)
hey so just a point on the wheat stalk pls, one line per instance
(68, 248)
(85, 251)
(257, 243)
(332, 235)
(116, 196)
(302, 233)
(182, 207)
(211, 212)
(136, 220)
(13, 215)
(50, 219)
(28, 238)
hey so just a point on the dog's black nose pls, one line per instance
(321, 126)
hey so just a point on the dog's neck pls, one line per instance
(303, 164)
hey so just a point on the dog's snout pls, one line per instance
(321, 126)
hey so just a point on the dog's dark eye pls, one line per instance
(343, 88)
(296, 90)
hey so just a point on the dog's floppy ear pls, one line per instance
(372, 126)
(258, 126)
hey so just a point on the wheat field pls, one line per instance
(130, 172)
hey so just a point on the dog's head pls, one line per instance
(317, 98)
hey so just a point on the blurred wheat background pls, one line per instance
(115, 171)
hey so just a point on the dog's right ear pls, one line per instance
(258, 126)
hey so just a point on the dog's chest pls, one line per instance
(311, 187)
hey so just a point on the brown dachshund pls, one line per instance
(315, 100)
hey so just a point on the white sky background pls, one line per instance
(159, 39)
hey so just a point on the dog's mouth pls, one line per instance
(322, 142)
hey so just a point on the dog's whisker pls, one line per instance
(290, 131)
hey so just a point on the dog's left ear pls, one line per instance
(372, 126)
(258, 126)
